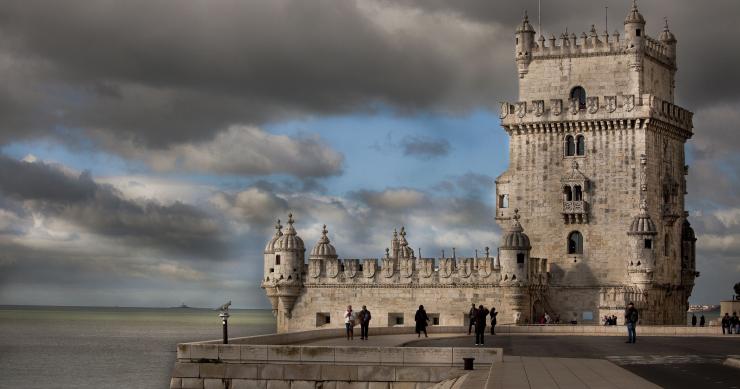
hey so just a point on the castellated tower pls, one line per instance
(591, 206)
(597, 170)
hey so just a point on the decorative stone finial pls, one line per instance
(278, 226)
(574, 165)
(516, 214)
(643, 206)
(387, 252)
(290, 219)
(488, 252)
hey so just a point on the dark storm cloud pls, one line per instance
(102, 210)
(163, 72)
(425, 147)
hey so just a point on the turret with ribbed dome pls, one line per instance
(284, 271)
(641, 261)
(669, 40)
(634, 28)
(514, 252)
(323, 248)
(524, 45)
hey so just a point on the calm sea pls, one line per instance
(65, 347)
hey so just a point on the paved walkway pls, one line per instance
(516, 372)
(571, 373)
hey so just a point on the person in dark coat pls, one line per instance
(630, 318)
(693, 320)
(480, 324)
(702, 321)
(422, 320)
(471, 318)
(726, 323)
(493, 320)
(364, 322)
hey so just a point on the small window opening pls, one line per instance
(570, 146)
(503, 201)
(520, 258)
(359, 268)
(580, 94)
(638, 32)
(272, 270)
(648, 243)
(580, 145)
(568, 193)
(341, 267)
(575, 243)
(578, 193)
(277, 259)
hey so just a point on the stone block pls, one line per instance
(212, 370)
(378, 385)
(351, 385)
(248, 384)
(427, 356)
(271, 372)
(482, 355)
(253, 352)
(302, 372)
(376, 373)
(357, 355)
(204, 351)
(412, 374)
(242, 370)
(229, 352)
(284, 353)
(338, 373)
(192, 383)
(317, 354)
(186, 370)
(278, 384)
(302, 385)
(183, 351)
(391, 356)
(403, 385)
(212, 383)
(175, 383)
(328, 385)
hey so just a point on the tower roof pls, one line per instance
(515, 238)
(642, 224)
(323, 248)
(666, 35)
(525, 26)
(634, 16)
(270, 247)
(290, 241)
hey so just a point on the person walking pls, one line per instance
(471, 318)
(693, 320)
(365, 317)
(630, 318)
(735, 323)
(480, 324)
(702, 321)
(493, 320)
(349, 322)
(726, 323)
(422, 320)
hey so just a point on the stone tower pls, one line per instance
(597, 170)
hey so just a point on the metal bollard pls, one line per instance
(468, 363)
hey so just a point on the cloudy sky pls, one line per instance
(146, 146)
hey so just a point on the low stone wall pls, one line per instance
(211, 365)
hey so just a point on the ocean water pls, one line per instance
(65, 347)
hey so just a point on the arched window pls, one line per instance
(580, 145)
(580, 94)
(570, 146)
(575, 243)
(567, 193)
(577, 193)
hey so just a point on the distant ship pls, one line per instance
(182, 306)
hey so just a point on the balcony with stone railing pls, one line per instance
(575, 212)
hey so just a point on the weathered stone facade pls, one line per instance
(597, 176)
